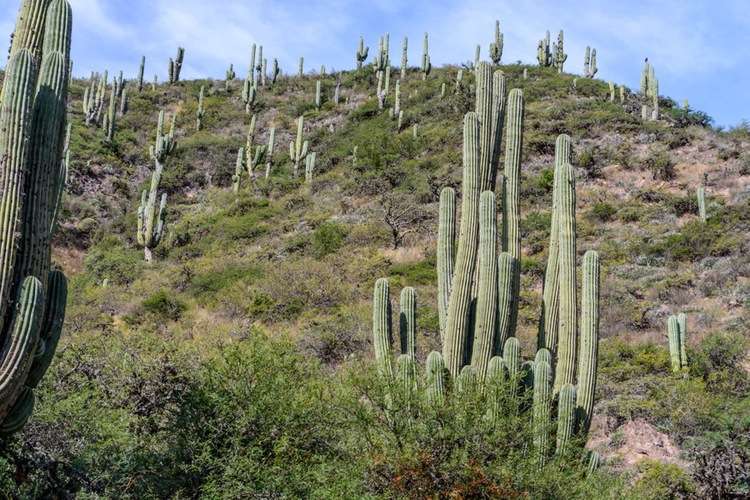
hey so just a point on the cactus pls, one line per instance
(32, 133)
(249, 94)
(251, 69)
(404, 57)
(566, 417)
(337, 91)
(559, 55)
(702, 203)
(543, 53)
(317, 95)
(150, 221)
(200, 112)
(238, 167)
(269, 151)
(301, 68)
(622, 94)
(682, 323)
(298, 148)
(175, 66)
(496, 47)
(589, 351)
(477, 56)
(141, 70)
(362, 53)
(589, 63)
(381, 327)
(124, 102)
(93, 100)
(263, 73)
(408, 322)
(275, 71)
(442, 91)
(542, 409)
(435, 378)
(611, 91)
(649, 93)
(673, 334)
(230, 76)
(258, 69)
(426, 64)
(111, 116)
(446, 243)
(309, 167)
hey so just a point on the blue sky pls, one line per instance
(698, 47)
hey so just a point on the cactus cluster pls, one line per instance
(175, 66)
(309, 167)
(35, 154)
(649, 93)
(544, 52)
(479, 290)
(589, 63)
(150, 219)
(496, 47)
(676, 334)
(93, 99)
(558, 50)
(426, 63)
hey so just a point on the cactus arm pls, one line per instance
(566, 417)
(381, 327)
(446, 242)
(51, 327)
(505, 272)
(542, 409)
(588, 357)
(408, 321)
(435, 371)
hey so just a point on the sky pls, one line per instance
(699, 48)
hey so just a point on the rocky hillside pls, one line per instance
(210, 370)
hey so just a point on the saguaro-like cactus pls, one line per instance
(589, 63)
(496, 47)
(141, 70)
(111, 116)
(589, 352)
(301, 69)
(238, 167)
(559, 55)
(151, 220)
(404, 57)
(229, 77)
(298, 148)
(175, 66)
(702, 203)
(426, 63)
(649, 93)
(200, 112)
(677, 333)
(362, 53)
(543, 52)
(317, 95)
(32, 130)
(310, 167)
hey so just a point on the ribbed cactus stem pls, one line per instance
(404, 57)
(542, 409)
(29, 30)
(408, 321)
(407, 373)
(141, 70)
(124, 102)
(298, 148)
(682, 322)
(435, 374)
(486, 305)
(111, 115)
(317, 95)
(446, 244)
(200, 112)
(477, 55)
(275, 70)
(457, 325)
(381, 327)
(426, 64)
(301, 68)
(269, 151)
(496, 47)
(362, 52)
(549, 320)
(567, 330)
(238, 167)
(310, 167)
(566, 417)
(559, 52)
(673, 334)
(702, 203)
(589, 352)
(511, 239)
(512, 357)
(490, 107)
(506, 270)
(466, 380)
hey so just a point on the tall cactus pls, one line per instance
(301, 68)
(702, 203)
(269, 151)
(150, 220)
(310, 167)
(229, 77)
(362, 53)
(496, 47)
(200, 112)
(408, 321)
(275, 71)
(238, 167)
(426, 63)
(559, 55)
(381, 327)
(542, 409)
(175, 66)
(446, 243)
(682, 322)
(404, 57)
(543, 52)
(32, 130)
(673, 334)
(317, 95)
(589, 352)
(298, 148)
(141, 70)
(111, 117)
(649, 93)
(589, 63)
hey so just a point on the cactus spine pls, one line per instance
(496, 47)
(32, 130)
(298, 148)
(426, 64)
(362, 53)
(200, 112)
(150, 221)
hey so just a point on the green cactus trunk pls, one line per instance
(566, 417)
(542, 409)
(381, 327)
(445, 249)
(408, 322)
(589, 352)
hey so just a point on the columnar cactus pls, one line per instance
(141, 70)
(496, 47)
(702, 203)
(589, 63)
(408, 322)
(649, 93)
(542, 409)
(682, 322)
(238, 167)
(124, 102)
(426, 64)
(445, 249)
(559, 55)
(32, 131)
(298, 148)
(381, 327)
(251, 69)
(589, 349)
(677, 335)
(263, 73)
(254, 155)
(249, 94)
(269, 151)
(175, 66)
(93, 100)
(337, 91)
(477, 55)
(309, 167)
(566, 417)
(111, 116)
(362, 53)
(404, 57)
(150, 220)
(200, 112)
(275, 71)
(301, 68)
(543, 52)
(230, 76)
(611, 91)
(317, 95)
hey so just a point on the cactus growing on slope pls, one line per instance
(150, 220)
(200, 112)
(558, 53)
(426, 64)
(32, 131)
(404, 57)
(701, 194)
(175, 66)
(543, 52)
(141, 70)
(238, 167)
(362, 53)
(496, 47)
(298, 148)
(589, 63)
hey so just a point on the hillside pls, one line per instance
(232, 365)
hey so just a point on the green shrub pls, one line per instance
(661, 165)
(165, 305)
(603, 211)
(659, 481)
(328, 238)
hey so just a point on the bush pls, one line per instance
(660, 481)
(328, 238)
(661, 165)
(603, 211)
(164, 305)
